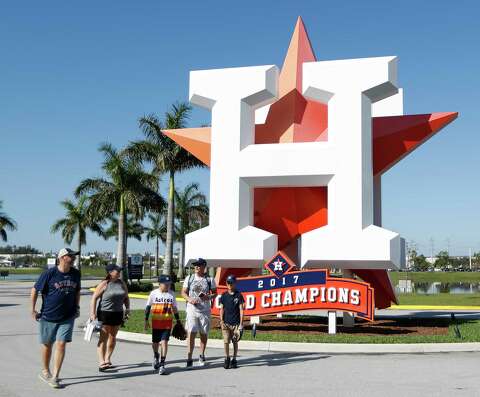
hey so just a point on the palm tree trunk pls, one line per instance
(181, 262)
(156, 256)
(167, 267)
(121, 239)
(79, 249)
(125, 244)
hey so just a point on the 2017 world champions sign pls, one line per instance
(297, 155)
(286, 289)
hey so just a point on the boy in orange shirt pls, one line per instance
(163, 306)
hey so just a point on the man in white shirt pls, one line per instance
(198, 290)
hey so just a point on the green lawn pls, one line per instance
(440, 299)
(430, 277)
(26, 270)
(470, 331)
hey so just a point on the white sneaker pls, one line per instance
(162, 370)
(201, 361)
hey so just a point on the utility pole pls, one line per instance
(470, 258)
(432, 245)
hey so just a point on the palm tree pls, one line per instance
(157, 230)
(6, 223)
(192, 213)
(126, 189)
(133, 228)
(76, 222)
(166, 157)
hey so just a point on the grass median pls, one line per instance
(87, 271)
(443, 299)
(432, 277)
(469, 330)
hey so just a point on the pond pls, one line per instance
(407, 286)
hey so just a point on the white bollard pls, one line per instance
(332, 323)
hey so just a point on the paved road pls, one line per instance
(260, 374)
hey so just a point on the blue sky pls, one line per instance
(73, 75)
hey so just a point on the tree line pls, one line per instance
(443, 261)
(116, 203)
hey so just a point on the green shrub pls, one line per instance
(140, 287)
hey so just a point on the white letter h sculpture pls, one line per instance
(343, 164)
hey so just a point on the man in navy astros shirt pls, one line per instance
(60, 291)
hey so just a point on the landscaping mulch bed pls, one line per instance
(309, 325)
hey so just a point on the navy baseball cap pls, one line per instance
(199, 262)
(111, 267)
(231, 279)
(164, 279)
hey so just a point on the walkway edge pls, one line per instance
(326, 348)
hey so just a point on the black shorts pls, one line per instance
(160, 334)
(110, 318)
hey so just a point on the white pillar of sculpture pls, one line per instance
(233, 95)
(351, 240)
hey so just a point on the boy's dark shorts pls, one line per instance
(160, 334)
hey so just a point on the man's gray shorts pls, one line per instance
(51, 332)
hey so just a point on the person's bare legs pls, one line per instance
(112, 341)
(235, 350)
(102, 346)
(155, 347)
(191, 343)
(203, 343)
(59, 356)
(226, 347)
(164, 345)
(46, 356)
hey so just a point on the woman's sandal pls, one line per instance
(109, 365)
(102, 367)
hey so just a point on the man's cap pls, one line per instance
(66, 251)
(111, 267)
(199, 262)
(164, 278)
(231, 279)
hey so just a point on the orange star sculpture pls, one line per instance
(289, 212)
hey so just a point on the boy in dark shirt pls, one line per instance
(231, 320)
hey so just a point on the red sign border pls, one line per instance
(369, 315)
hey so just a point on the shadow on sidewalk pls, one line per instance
(9, 304)
(270, 360)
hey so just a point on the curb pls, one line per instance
(326, 348)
